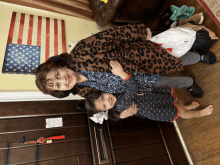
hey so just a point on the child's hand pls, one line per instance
(130, 111)
(118, 70)
(116, 67)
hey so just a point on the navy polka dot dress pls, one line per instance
(158, 104)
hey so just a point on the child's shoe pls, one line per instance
(195, 90)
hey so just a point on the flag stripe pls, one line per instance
(59, 37)
(11, 30)
(63, 37)
(20, 34)
(16, 28)
(30, 30)
(39, 31)
(47, 51)
(25, 29)
(55, 37)
(43, 39)
(51, 37)
(35, 30)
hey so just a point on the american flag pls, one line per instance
(31, 41)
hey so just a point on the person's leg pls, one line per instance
(191, 106)
(176, 82)
(191, 57)
(186, 114)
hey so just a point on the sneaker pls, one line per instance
(195, 19)
(207, 57)
(195, 90)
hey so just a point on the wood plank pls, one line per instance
(139, 152)
(50, 151)
(201, 135)
(2, 157)
(128, 119)
(159, 160)
(71, 134)
(39, 108)
(131, 127)
(74, 160)
(140, 138)
(36, 123)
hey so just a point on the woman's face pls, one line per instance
(61, 79)
(105, 102)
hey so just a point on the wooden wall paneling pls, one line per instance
(139, 152)
(137, 141)
(71, 134)
(172, 143)
(50, 151)
(38, 123)
(158, 160)
(140, 138)
(106, 143)
(2, 157)
(74, 160)
(39, 108)
(137, 126)
(128, 119)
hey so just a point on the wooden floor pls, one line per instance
(202, 135)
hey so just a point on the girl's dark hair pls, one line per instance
(113, 114)
(55, 62)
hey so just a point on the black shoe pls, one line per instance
(207, 57)
(195, 90)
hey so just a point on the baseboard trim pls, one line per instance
(173, 144)
(183, 144)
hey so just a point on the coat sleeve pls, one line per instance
(125, 101)
(130, 32)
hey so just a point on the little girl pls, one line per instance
(159, 104)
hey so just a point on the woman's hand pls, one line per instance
(118, 70)
(149, 34)
(130, 111)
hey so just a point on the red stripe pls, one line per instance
(55, 37)
(39, 31)
(210, 12)
(20, 33)
(12, 26)
(174, 103)
(63, 36)
(30, 30)
(127, 77)
(47, 44)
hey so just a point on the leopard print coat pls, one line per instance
(126, 44)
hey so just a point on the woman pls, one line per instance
(128, 45)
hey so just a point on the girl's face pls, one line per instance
(61, 79)
(105, 102)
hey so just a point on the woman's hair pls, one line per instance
(53, 63)
(113, 114)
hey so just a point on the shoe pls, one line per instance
(195, 90)
(181, 13)
(195, 19)
(207, 57)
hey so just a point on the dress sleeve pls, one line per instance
(125, 101)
